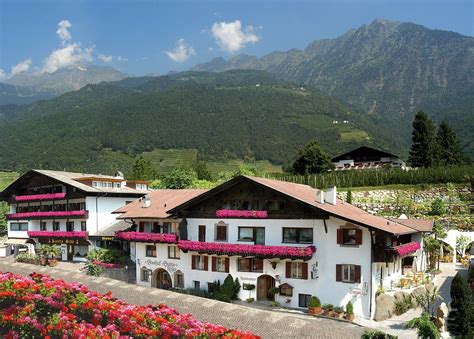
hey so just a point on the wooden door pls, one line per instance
(262, 289)
(70, 252)
(202, 233)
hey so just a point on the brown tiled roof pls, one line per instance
(421, 225)
(342, 209)
(160, 202)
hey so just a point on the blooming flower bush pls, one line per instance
(145, 237)
(260, 251)
(106, 265)
(408, 248)
(26, 215)
(57, 234)
(50, 196)
(43, 307)
(241, 214)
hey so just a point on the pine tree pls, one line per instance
(449, 151)
(460, 319)
(423, 149)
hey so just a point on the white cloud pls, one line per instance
(105, 58)
(121, 58)
(67, 56)
(63, 32)
(3, 75)
(231, 37)
(21, 67)
(182, 52)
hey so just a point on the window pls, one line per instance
(252, 234)
(173, 252)
(70, 226)
(349, 236)
(298, 235)
(250, 265)
(221, 232)
(117, 185)
(286, 290)
(220, 264)
(348, 273)
(151, 250)
(170, 227)
(19, 226)
(43, 226)
(145, 274)
(199, 262)
(196, 285)
(83, 226)
(303, 300)
(296, 270)
(211, 287)
(179, 279)
(55, 225)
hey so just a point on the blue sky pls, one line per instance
(134, 36)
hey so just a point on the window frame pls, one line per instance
(251, 265)
(350, 272)
(218, 225)
(147, 248)
(83, 226)
(20, 226)
(56, 226)
(296, 271)
(306, 299)
(221, 264)
(145, 274)
(176, 254)
(68, 224)
(297, 236)
(353, 237)
(43, 225)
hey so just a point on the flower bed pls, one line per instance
(33, 197)
(43, 307)
(260, 251)
(145, 237)
(408, 248)
(106, 265)
(26, 215)
(57, 234)
(241, 214)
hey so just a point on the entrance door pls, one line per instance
(163, 279)
(70, 252)
(264, 284)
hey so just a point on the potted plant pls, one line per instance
(51, 252)
(314, 307)
(328, 309)
(272, 291)
(350, 311)
(339, 312)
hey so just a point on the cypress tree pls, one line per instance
(423, 149)
(460, 319)
(449, 151)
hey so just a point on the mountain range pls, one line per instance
(362, 88)
(28, 87)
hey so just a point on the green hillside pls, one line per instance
(224, 116)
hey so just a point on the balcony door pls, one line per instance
(202, 233)
(259, 236)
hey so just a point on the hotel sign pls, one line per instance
(55, 241)
(171, 267)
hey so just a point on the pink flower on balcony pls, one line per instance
(408, 248)
(50, 196)
(260, 251)
(145, 237)
(57, 234)
(241, 214)
(26, 215)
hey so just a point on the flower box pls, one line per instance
(28, 215)
(34, 197)
(145, 237)
(57, 234)
(241, 214)
(260, 251)
(408, 248)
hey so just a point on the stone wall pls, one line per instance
(126, 274)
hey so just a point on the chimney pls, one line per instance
(320, 196)
(146, 201)
(331, 197)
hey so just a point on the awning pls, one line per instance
(13, 241)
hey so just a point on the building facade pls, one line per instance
(63, 208)
(274, 236)
(366, 158)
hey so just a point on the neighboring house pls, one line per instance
(268, 233)
(366, 158)
(64, 208)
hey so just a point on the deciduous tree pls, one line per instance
(312, 160)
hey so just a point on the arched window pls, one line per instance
(145, 274)
(179, 279)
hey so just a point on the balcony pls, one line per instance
(146, 237)
(242, 214)
(57, 234)
(388, 254)
(82, 214)
(258, 251)
(40, 197)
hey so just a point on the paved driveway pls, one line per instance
(268, 324)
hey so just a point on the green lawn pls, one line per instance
(6, 178)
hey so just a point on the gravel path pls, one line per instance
(268, 324)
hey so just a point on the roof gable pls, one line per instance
(362, 151)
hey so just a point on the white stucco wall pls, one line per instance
(100, 211)
(328, 254)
